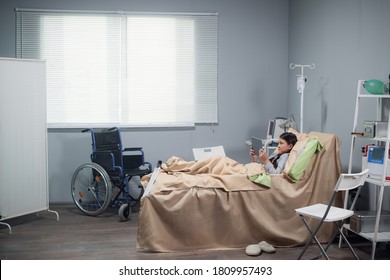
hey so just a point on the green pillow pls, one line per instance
(297, 170)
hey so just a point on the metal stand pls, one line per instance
(51, 211)
(301, 80)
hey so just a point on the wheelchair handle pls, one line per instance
(90, 129)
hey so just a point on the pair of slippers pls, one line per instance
(256, 249)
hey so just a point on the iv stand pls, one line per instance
(301, 80)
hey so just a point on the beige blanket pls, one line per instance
(217, 172)
(211, 204)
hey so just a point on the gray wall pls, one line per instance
(252, 81)
(348, 40)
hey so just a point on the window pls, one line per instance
(125, 69)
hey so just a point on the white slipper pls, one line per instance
(267, 248)
(253, 250)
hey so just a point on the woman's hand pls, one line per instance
(255, 157)
(263, 156)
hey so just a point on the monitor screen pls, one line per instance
(377, 153)
(271, 129)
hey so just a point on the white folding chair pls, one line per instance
(330, 213)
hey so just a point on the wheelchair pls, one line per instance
(105, 181)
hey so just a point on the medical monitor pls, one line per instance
(271, 129)
(275, 128)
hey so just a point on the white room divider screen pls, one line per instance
(23, 138)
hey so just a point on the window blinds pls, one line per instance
(126, 69)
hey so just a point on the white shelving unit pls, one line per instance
(362, 95)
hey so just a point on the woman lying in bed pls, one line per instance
(275, 163)
(223, 172)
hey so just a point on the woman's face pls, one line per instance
(283, 146)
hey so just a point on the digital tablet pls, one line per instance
(257, 144)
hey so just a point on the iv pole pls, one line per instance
(301, 80)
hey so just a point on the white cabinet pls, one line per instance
(379, 182)
(23, 138)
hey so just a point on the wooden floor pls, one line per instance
(79, 237)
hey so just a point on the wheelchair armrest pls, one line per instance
(132, 149)
(149, 166)
(133, 159)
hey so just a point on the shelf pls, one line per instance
(380, 139)
(378, 182)
(381, 236)
(374, 95)
(361, 93)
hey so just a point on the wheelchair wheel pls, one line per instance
(91, 189)
(124, 212)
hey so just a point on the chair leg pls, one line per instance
(305, 248)
(313, 237)
(323, 250)
(328, 244)
(331, 240)
(342, 236)
(346, 241)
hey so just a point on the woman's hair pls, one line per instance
(289, 137)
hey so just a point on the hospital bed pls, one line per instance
(212, 204)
